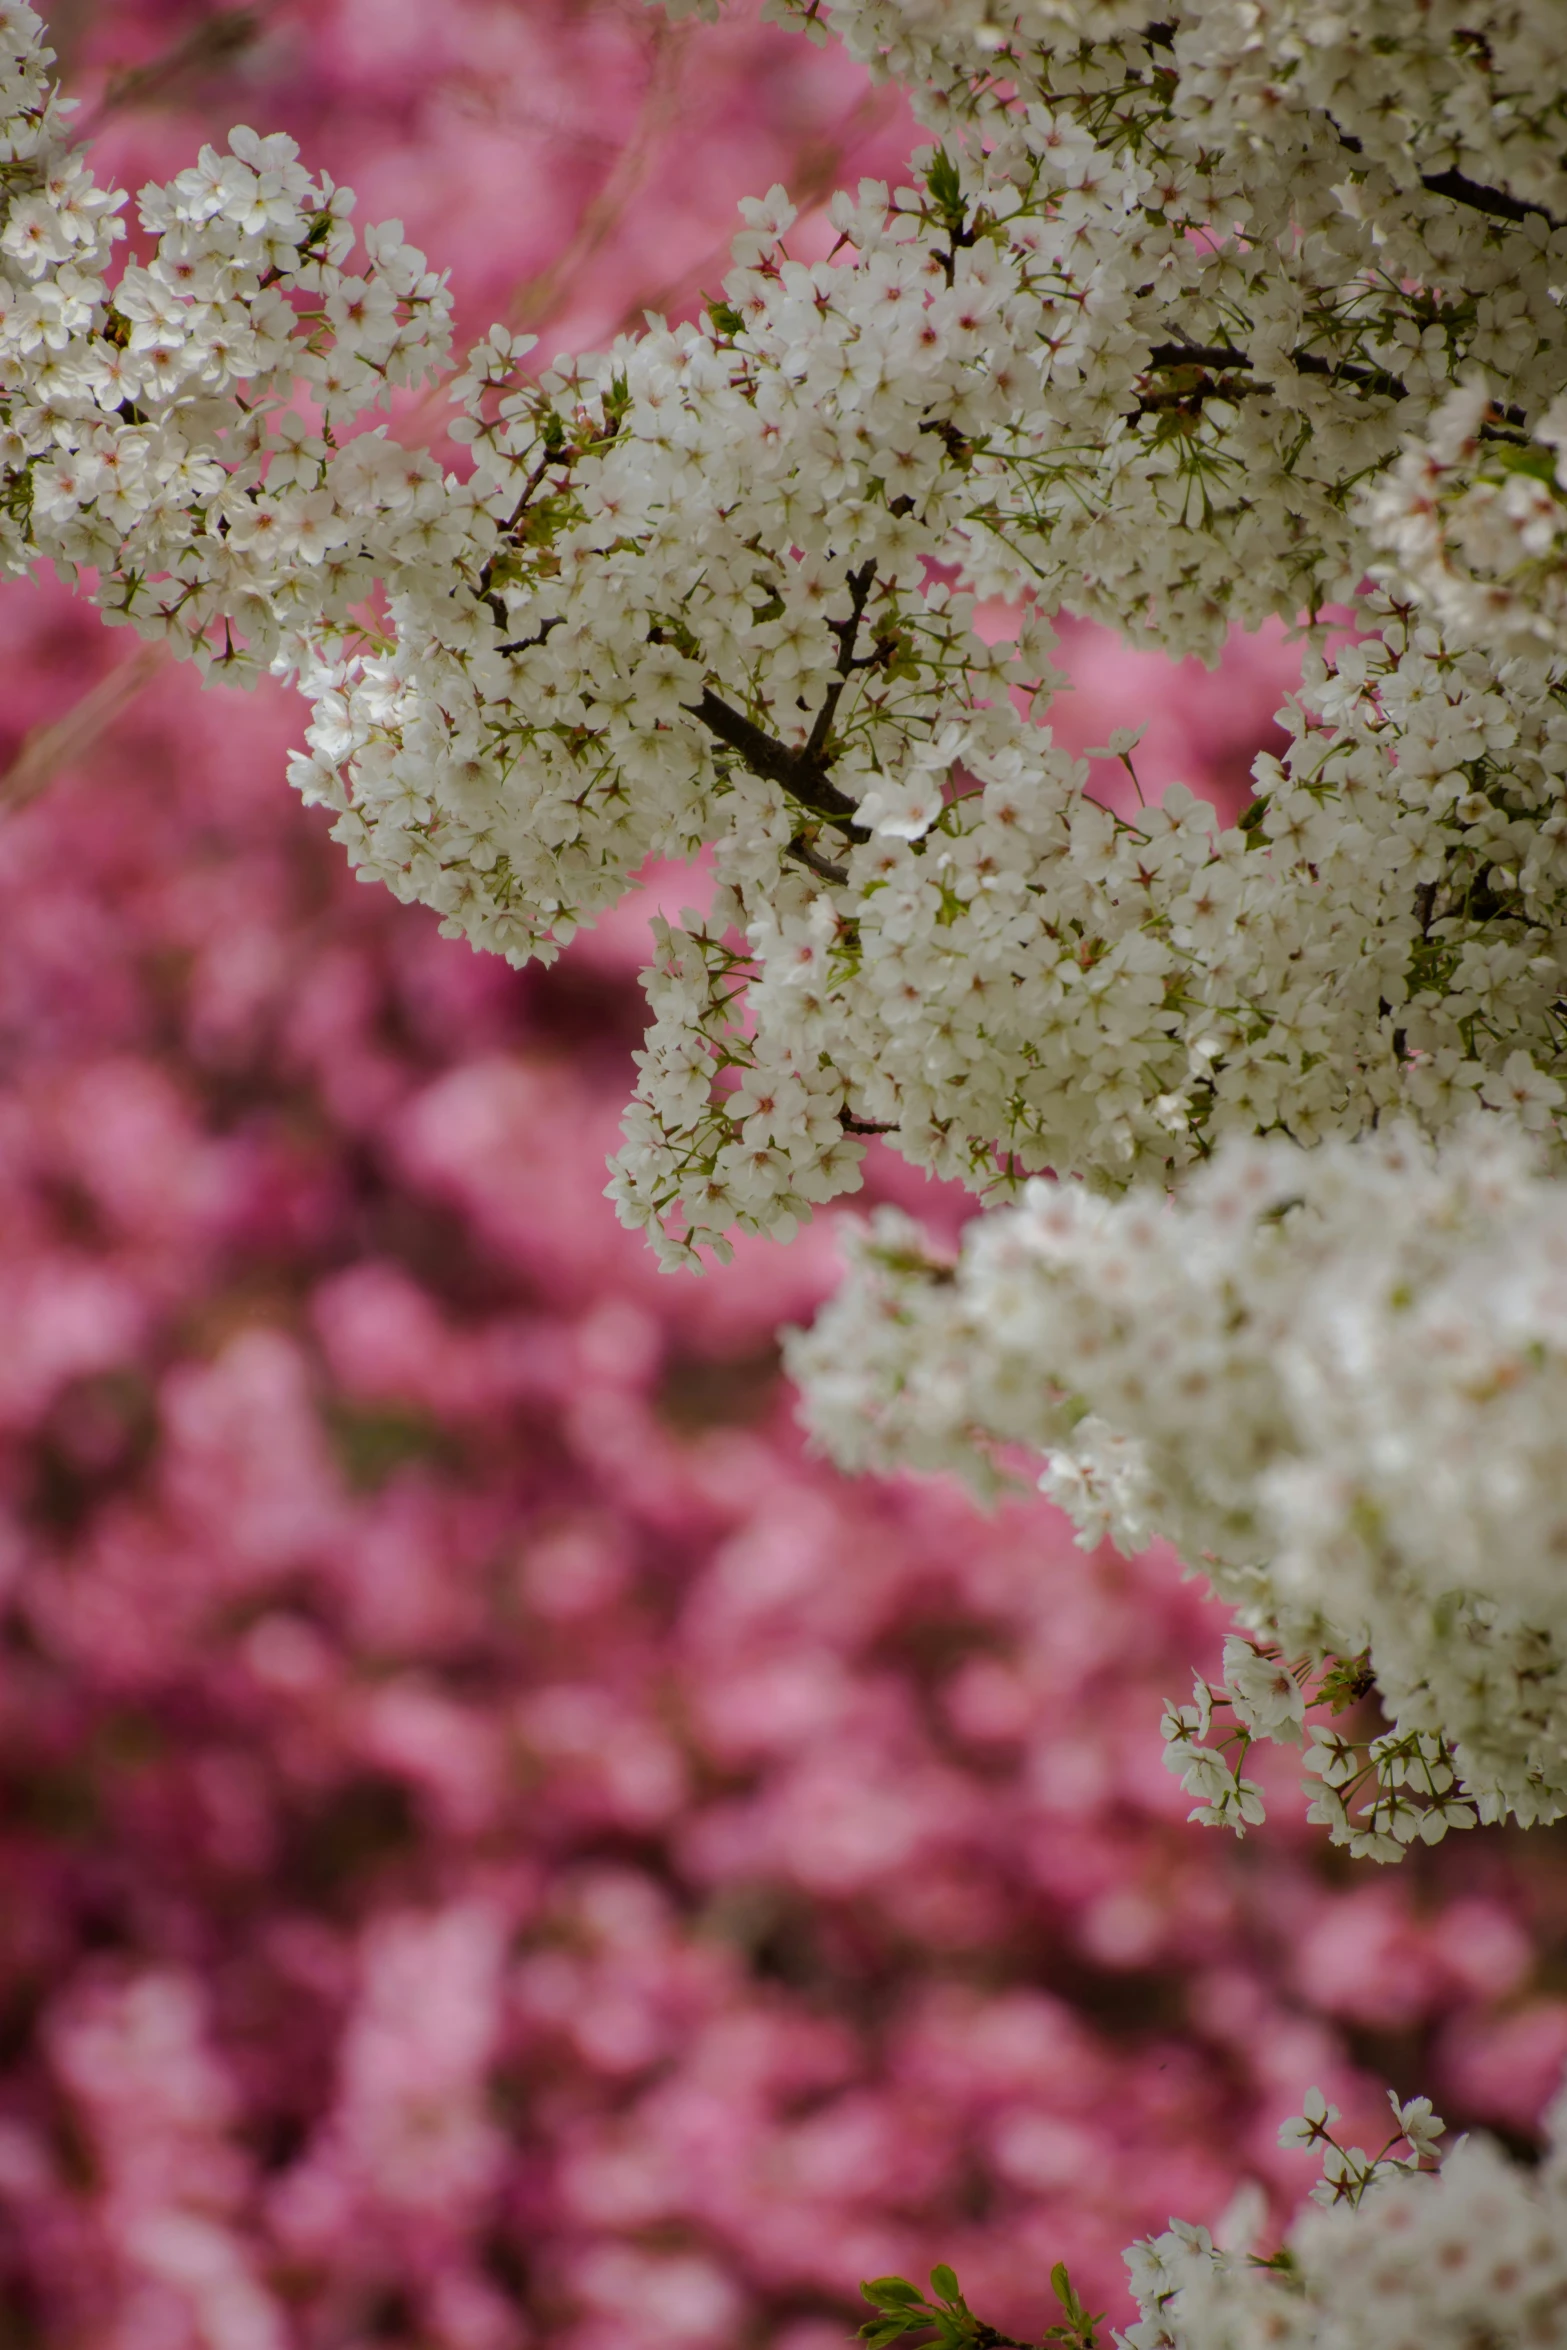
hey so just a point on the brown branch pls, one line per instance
(525, 644)
(1514, 425)
(536, 302)
(1495, 203)
(802, 773)
(1224, 385)
(1156, 403)
(774, 762)
(818, 171)
(860, 584)
(217, 42)
(538, 299)
(1369, 379)
(801, 849)
(1196, 355)
(508, 528)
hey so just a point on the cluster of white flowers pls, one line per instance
(1389, 2255)
(1445, 87)
(707, 600)
(1093, 357)
(1196, 313)
(700, 591)
(1202, 311)
(1476, 528)
(1336, 1379)
(146, 443)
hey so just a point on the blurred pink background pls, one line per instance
(499, 1848)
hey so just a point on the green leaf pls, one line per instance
(1540, 463)
(943, 2283)
(892, 2293)
(1079, 2330)
(1346, 1680)
(946, 188)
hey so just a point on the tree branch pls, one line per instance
(805, 781)
(1369, 379)
(860, 584)
(802, 773)
(1221, 356)
(525, 644)
(1196, 355)
(44, 750)
(1495, 203)
(1513, 426)
(801, 849)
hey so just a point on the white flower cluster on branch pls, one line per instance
(1201, 312)
(1196, 315)
(147, 445)
(1411, 2248)
(1476, 528)
(1092, 359)
(1336, 1380)
(1388, 2254)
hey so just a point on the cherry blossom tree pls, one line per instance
(1190, 318)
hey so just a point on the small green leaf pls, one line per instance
(892, 2293)
(1538, 462)
(1346, 1680)
(943, 2283)
(946, 189)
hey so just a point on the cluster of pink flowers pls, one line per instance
(500, 1847)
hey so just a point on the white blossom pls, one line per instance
(1388, 2252)
(145, 431)
(1336, 1380)
(1196, 314)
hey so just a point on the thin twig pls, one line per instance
(535, 303)
(802, 773)
(537, 299)
(61, 742)
(208, 48)
(801, 849)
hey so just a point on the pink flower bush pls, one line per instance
(500, 1847)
